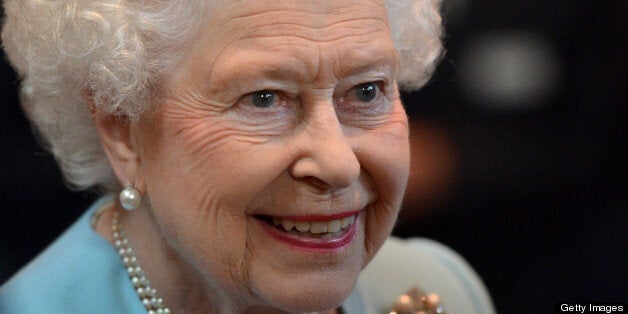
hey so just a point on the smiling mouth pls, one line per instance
(310, 229)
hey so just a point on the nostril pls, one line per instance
(319, 185)
(325, 175)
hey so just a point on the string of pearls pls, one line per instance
(415, 301)
(147, 294)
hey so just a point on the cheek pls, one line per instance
(186, 176)
(201, 177)
(208, 172)
(388, 164)
(387, 160)
(386, 156)
(216, 156)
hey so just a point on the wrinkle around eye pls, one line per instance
(186, 104)
(197, 125)
(203, 136)
(390, 124)
(367, 122)
(385, 111)
(261, 128)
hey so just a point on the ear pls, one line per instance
(117, 140)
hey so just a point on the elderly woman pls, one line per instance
(259, 150)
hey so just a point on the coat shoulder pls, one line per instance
(429, 265)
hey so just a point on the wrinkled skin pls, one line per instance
(209, 160)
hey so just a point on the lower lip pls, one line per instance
(313, 244)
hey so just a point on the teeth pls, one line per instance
(318, 227)
(330, 227)
(286, 223)
(302, 226)
(347, 221)
(334, 225)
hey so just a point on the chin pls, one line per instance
(318, 292)
(312, 300)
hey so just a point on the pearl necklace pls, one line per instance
(413, 301)
(147, 294)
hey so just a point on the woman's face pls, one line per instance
(285, 113)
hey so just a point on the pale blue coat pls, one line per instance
(82, 273)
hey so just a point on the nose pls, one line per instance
(325, 156)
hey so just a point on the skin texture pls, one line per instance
(208, 160)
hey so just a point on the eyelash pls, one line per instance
(278, 110)
(349, 105)
(378, 88)
(248, 100)
(265, 93)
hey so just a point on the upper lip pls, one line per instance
(343, 207)
(315, 217)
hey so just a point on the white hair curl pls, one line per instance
(119, 51)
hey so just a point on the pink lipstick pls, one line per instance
(313, 233)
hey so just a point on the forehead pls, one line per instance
(299, 33)
(315, 20)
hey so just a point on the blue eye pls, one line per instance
(263, 99)
(366, 92)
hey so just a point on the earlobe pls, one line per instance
(116, 138)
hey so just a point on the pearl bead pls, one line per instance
(147, 295)
(130, 198)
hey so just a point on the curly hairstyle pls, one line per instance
(120, 50)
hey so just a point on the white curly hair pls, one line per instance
(120, 50)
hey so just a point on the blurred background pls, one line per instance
(518, 155)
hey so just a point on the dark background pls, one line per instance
(518, 161)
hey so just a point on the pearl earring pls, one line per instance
(130, 198)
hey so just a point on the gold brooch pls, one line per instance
(416, 301)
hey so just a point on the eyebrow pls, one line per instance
(261, 66)
(294, 70)
(380, 60)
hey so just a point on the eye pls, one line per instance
(265, 112)
(366, 92)
(264, 98)
(363, 102)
